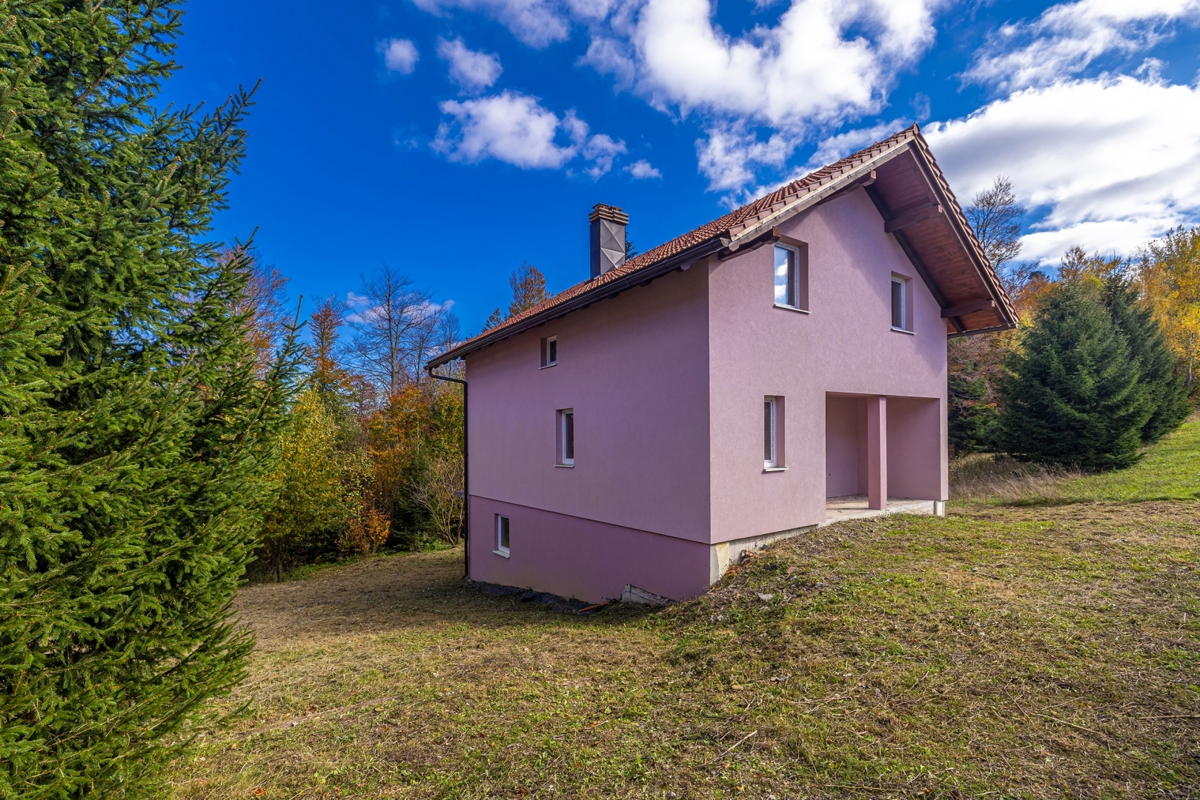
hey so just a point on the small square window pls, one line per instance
(791, 276)
(566, 437)
(502, 526)
(549, 351)
(901, 304)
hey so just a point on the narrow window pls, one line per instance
(770, 441)
(566, 437)
(791, 276)
(900, 321)
(502, 535)
(549, 351)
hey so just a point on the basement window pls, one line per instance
(901, 304)
(566, 437)
(502, 526)
(549, 351)
(791, 277)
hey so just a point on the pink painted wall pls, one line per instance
(582, 558)
(635, 370)
(844, 345)
(915, 449)
(845, 435)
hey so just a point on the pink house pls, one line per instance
(780, 366)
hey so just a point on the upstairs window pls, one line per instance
(566, 437)
(791, 276)
(901, 305)
(549, 351)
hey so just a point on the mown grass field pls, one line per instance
(1049, 648)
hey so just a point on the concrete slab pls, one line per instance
(840, 509)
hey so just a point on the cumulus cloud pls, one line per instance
(399, 55)
(1068, 37)
(823, 63)
(517, 129)
(1110, 162)
(470, 69)
(730, 153)
(537, 23)
(642, 169)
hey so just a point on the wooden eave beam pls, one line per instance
(918, 264)
(910, 218)
(968, 308)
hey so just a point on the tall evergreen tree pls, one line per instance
(135, 431)
(1149, 349)
(1072, 393)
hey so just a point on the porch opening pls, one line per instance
(882, 454)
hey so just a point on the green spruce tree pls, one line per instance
(135, 430)
(1148, 347)
(1072, 393)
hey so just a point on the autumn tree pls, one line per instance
(528, 286)
(397, 328)
(264, 303)
(326, 374)
(1169, 277)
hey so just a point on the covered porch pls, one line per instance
(883, 455)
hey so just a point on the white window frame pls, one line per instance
(771, 433)
(797, 284)
(503, 522)
(547, 361)
(563, 459)
(905, 325)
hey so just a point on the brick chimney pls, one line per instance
(608, 238)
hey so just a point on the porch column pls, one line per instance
(877, 452)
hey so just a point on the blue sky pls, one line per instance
(454, 139)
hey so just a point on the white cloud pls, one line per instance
(642, 169)
(730, 152)
(537, 23)
(399, 55)
(822, 64)
(470, 69)
(517, 129)
(1112, 162)
(610, 56)
(1068, 37)
(601, 149)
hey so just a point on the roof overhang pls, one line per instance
(912, 196)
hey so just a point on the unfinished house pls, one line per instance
(778, 368)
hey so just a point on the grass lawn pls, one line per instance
(1005, 651)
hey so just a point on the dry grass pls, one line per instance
(981, 476)
(1002, 652)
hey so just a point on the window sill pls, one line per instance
(774, 469)
(791, 308)
(564, 466)
(501, 553)
(548, 366)
(902, 330)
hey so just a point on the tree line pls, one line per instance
(1104, 361)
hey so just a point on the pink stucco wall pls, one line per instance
(635, 371)
(582, 558)
(667, 384)
(843, 345)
